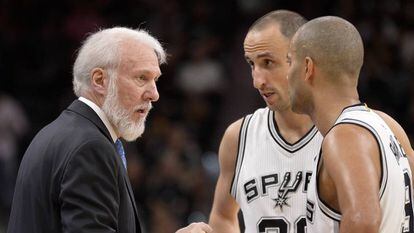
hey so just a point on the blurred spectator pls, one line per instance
(205, 86)
(13, 126)
(201, 74)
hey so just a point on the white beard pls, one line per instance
(120, 117)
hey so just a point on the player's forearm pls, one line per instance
(356, 223)
(223, 225)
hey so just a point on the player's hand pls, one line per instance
(198, 227)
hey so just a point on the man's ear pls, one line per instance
(99, 80)
(309, 69)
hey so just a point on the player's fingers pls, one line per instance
(200, 227)
(205, 227)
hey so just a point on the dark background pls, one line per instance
(205, 86)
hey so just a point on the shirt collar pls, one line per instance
(101, 115)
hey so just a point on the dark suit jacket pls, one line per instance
(71, 179)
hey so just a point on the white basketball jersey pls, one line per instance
(395, 190)
(271, 175)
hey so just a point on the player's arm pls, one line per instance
(223, 216)
(351, 159)
(401, 136)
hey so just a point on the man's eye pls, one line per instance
(142, 78)
(268, 62)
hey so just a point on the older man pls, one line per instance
(73, 175)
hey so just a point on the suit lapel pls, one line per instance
(87, 112)
(131, 196)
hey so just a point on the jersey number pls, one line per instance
(409, 215)
(280, 225)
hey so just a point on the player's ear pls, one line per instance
(309, 69)
(99, 80)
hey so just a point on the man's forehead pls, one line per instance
(258, 55)
(265, 43)
(132, 47)
(146, 59)
(138, 52)
(266, 34)
(140, 63)
(155, 70)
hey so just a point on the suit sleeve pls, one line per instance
(89, 196)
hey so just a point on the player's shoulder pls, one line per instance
(343, 137)
(233, 130)
(345, 132)
(391, 122)
(396, 128)
(382, 114)
(229, 147)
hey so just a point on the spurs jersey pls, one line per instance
(271, 175)
(395, 191)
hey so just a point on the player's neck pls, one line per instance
(292, 126)
(327, 111)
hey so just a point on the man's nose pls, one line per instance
(151, 93)
(258, 79)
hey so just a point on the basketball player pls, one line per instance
(362, 179)
(266, 157)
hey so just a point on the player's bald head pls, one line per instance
(287, 21)
(333, 43)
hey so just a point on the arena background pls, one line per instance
(205, 86)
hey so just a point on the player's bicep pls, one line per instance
(224, 206)
(352, 159)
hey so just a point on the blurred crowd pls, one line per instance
(205, 85)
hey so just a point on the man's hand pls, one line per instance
(198, 227)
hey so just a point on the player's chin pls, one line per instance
(278, 108)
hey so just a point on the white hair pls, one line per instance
(101, 50)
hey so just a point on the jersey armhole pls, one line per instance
(240, 154)
(328, 210)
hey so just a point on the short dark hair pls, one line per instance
(288, 21)
(333, 43)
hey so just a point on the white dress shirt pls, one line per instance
(101, 115)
